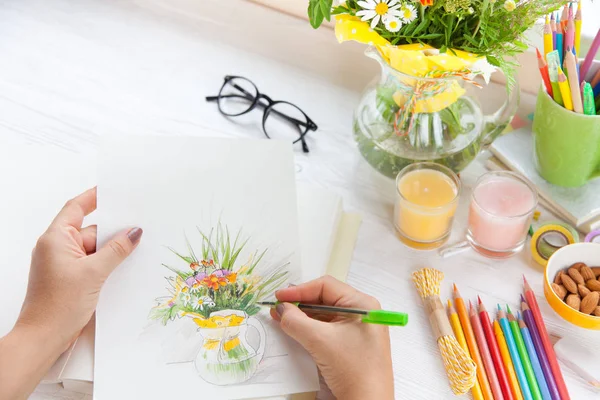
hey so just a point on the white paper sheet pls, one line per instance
(170, 187)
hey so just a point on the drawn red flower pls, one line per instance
(214, 282)
(426, 3)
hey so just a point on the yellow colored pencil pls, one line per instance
(508, 365)
(565, 91)
(548, 42)
(462, 341)
(571, 65)
(578, 29)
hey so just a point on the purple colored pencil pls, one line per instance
(587, 63)
(539, 348)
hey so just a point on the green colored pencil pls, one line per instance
(529, 374)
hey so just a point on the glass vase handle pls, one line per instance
(254, 323)
(496, 123)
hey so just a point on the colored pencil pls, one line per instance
(514, 354)
(596, 79)
(486, 357)
(597, 90)
(535, 362)
(578, 28)
(527, 367)
(565, 92)
(486, 325)
(559, 42)
(463, 316)
(553, 30)
(564, 17)
(543, 66)
(539, 323)
(508, 364)
(552, 61)
(548, 45)
(460, 338)
(587, 62)
(571, 66)
(570, 33)
(589, 108)
(539, 348)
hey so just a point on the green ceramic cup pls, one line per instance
(567, 144)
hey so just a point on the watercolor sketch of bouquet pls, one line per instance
(219, 292)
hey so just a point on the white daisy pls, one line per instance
(186, 298)
(484, 68)
(408, 13)
(201, 302)
(378, 10)
(392, 24)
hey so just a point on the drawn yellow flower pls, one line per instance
(509, 5)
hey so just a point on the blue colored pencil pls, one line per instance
(535, 362)
(559, 43)
(514, 354)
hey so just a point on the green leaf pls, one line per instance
(315, 14)
(326, 8)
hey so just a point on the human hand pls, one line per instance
(353, 357)
(67, 273)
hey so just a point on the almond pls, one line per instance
(592, 284)
(583, 291)
(578, 266)
(559, 290)
(573, 301)
(597, 311)
(589, 303)
(569, 283)
(587, 273)
(596, 271)
(557, 279)
(573, 273)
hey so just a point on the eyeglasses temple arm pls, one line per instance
(212, 98)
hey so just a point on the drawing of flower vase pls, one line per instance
(226, 357)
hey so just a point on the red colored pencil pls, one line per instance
(486, 357)
(494, 351)
(543, 66)
(539, 322)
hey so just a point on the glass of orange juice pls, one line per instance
(426, 200)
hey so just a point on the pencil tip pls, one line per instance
(499, 308)
(454, 286)
(479, 299)
(508, 309)
(522, 298)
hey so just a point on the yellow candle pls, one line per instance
(425, 205)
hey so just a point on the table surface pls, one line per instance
(72, 71)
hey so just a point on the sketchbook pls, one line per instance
(327, 237)
(578, 206)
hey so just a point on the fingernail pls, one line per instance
(291, 285)
(279, 309)
(134, 235)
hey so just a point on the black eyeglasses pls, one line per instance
(239, 96)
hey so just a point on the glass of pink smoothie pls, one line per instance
(502, 205)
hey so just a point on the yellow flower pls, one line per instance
(509, 5)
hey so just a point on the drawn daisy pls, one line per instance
(408, 13)
(186, 298)
(378, 10)
(392, 24)
(200, 302)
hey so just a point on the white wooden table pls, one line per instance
(71, 71)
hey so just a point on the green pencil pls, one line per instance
(529, 374)
(589, 108)
(380, 317)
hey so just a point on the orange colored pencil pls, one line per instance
(508, 365)
(463, 315)
(494, 351)
(543, 66)
(486, 357)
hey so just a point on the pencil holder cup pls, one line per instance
(588, 253)
(567, 144)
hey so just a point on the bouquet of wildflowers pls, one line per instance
(491, 30)
(216, 281)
